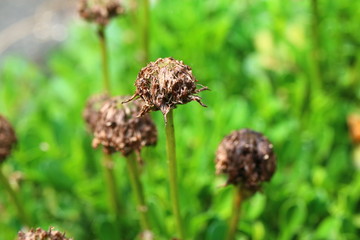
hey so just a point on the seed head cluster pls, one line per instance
(40, 234)
(100, 11)
(247, 157)
(165, 83)
(120, 129)
(7, 138)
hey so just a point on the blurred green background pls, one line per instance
(284, 68)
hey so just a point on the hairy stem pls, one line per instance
(171, 155)
(234, 220)
(104, 58)
(138, 191)
(15, 199)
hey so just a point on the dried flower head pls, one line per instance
(40, 234)
(91, 112)
(120, 128)
(165, 83)
(247, 157)
(7, 138)
(100, 11)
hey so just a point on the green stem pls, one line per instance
(108, 165)
(104, 58)
(171, 155)
(316, 73)
(146, 31)
(234, 220)
(14, 198)
(138, 191)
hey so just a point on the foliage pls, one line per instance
(257, 59)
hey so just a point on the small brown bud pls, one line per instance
(7, 138)
(248, 159)
(91, 112)
(40, 234)
(120, 129)
(100, 11)
(165, 83)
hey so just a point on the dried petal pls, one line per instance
(247, 157)
(100, 11)
(40, 234)
(120, 129)
(91, 112)
(7, 138)
(165, 83)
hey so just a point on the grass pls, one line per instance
(256, 58)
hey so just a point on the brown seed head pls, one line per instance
(100, 11)
(91, 112)
(40, 234)
(248, 159)
(165, 83)
(7, 138)
(120, 128)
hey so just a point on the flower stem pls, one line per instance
(14, 198)
(316, 72)
(171, 155)
(104, 58)
(111, 183)
(138, 191)
(234, 220)
(146, 30)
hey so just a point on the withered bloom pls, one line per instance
(100, 11)
(40, 234)
(91, 112)
(120, 128)
(248, 159)
(165, 83)
(7, 138)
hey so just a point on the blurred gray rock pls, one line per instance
(30, 28)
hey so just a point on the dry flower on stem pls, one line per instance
(40, 234)
(119, 129)
(248, 159)
(162, 85)
(7, 139)
(7, 142)
(100, 11)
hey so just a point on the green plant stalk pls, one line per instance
(146, 31)
(104, 58)
(14, 198)
(315, 72)
(171, 155)
(234, 220)
(108, 164)
(107, 160)
(138, 191)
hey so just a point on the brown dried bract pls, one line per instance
(120, 128)
(91, 112)
(165, 83)
(100, 11)
(40, 234)
(7, 138)
(248, 159)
